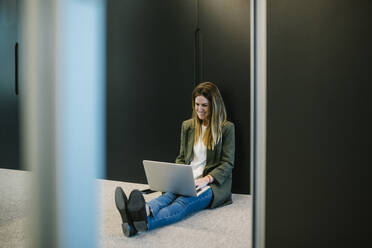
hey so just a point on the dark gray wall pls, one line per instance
(151, 74)
(318, 123)
(9, 119)
(225, 35)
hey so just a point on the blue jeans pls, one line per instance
(170, 208)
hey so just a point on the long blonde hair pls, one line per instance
(217, 116)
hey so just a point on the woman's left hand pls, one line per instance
(201, 182)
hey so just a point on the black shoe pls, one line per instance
(137, 210)
(121, 202)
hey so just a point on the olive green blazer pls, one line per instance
(220, 161)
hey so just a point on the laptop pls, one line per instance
(171, 177)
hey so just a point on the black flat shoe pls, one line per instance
(121, 202)
(137, 210)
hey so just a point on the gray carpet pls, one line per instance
(228, 226)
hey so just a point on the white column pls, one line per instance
(63, 117)
(37, 97)
(258, 119)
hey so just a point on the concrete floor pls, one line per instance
(228, 226)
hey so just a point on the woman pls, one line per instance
(208, 145)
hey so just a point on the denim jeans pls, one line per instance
(170, 208)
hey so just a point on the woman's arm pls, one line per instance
(181, 156)
(224, 169)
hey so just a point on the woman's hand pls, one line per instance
(201, 182)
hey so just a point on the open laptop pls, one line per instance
(170, 177)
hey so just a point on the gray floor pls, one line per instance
(229, 226)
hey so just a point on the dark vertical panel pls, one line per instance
(225, 38)
(9, 122)
(318, 123)
(150, 73)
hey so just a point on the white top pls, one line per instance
(200, 156)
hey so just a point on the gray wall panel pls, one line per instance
(150, 73)
(318, 122)
(150, 77)
(225, 36)
(9, 119)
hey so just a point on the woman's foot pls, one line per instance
(121, 202)
(137, 210)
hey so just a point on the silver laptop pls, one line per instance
(170, 177)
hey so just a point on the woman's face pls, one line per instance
(202, 107)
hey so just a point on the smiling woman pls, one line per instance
(208, 146)
(209, 111)
(202, 108)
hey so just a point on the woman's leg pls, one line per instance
(161, 202)
(178, 209)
